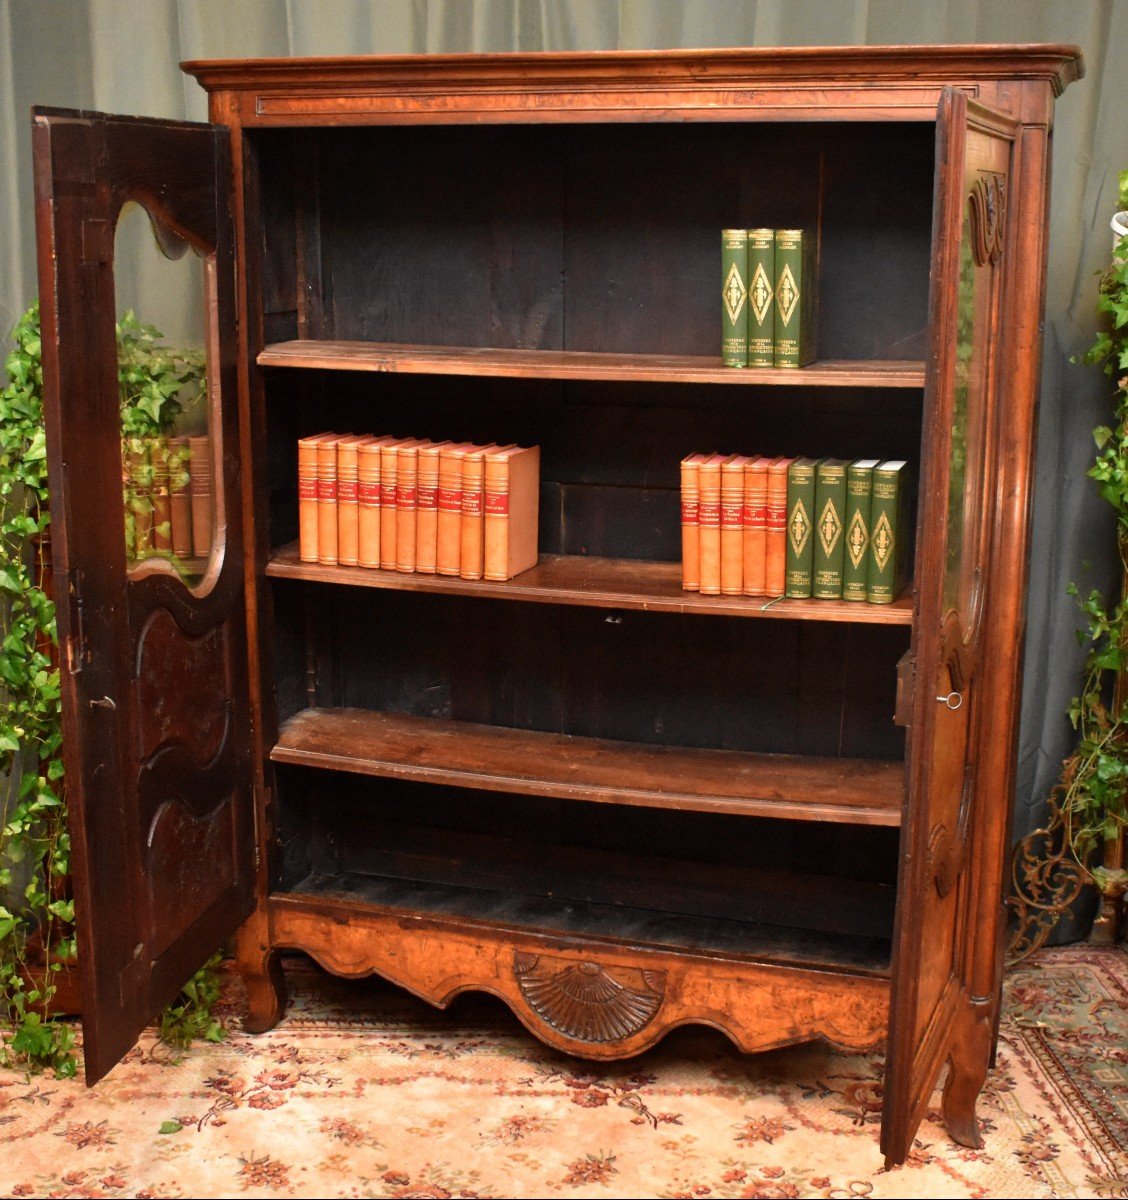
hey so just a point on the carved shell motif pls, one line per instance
(587, 1001)
(988, 201)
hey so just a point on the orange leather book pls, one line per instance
(709, 516)
(732, 524)
(180, 500)
(407, 478)
(690, 526)
(307, 496)
(775, 553)
(369, 499)
(427, 508)
(203, 501)
(348, 500)
(755, 521)
(511, 499)
(388, 511)
(327, 498)
(448, 535)
(162, 506)
(473, 484)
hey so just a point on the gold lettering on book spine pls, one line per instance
(586, 1000)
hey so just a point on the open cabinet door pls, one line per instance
(935, 1017)
(153, 643)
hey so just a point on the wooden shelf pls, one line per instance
(405, 359)
(597, 583)
(850, 790)
(347, 894)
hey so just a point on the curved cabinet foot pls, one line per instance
(261, 971)
(967, 1072)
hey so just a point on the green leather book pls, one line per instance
(829, 542)
(887, 558)
(795, 276)
(859, 497)
(734, 297)
(761, 297)
(800, 527)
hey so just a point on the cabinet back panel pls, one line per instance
(595, 237)
(770, 686)
(609, 452)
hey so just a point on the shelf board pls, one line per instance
(597, 583)
(349, 895)
(494, 758)
(407, 359)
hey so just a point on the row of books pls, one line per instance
(169, 502)
(768, 294)
(827, 529)
(410, 504)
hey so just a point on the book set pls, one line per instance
(768, 295)
(168, 496)
(803, 528)
(415, 505)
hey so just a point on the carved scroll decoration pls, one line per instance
(587, 1001)
(988, 203)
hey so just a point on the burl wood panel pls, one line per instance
(590, 1000)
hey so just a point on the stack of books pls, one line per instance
(804, 528)
(768, 297)
(410, 504)
(169, 497)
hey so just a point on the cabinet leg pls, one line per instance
(967, 1072)
(261, 971)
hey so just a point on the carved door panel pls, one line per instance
(964, 413)
(153, 643)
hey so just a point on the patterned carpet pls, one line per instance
(363, 1091)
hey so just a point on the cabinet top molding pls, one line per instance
(1059, 65)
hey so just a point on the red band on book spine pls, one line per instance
(327, 489)
(307, 489)
(497, 504)
(777, 518)
(347, 490)
(369, 494)
(405, 496)
(710, 512)
(450, 499)
(689, 512)
(426, 497)
(731, 515)
(472, 504)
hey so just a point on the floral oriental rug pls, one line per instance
(364, 1091)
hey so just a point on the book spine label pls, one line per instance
(734, 297)
(732, 531)
(829, 540)
(755, 522)
(368, 496)
(327, 501)
(855, 566)
(203, 515)
(775, 551)
(883, 575)
(709, 517)
(690, 528)
(470, 557)
(794, 297)
(348, 500)
(800, 550)
(180, 500)
(407, 474)
(761, 297)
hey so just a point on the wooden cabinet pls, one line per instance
(615, 805)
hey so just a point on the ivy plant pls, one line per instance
(36, 909)
(1094, 785)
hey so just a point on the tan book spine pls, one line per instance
(511, 501)
(348, 500)
(690, 521)
(732, 525)
(776, 547)
(473, 481)
(180, 499)
(162, 504)
(369, 500)
(307, 497)
(407, 479)
(448, 535)
(427, 508)
(388, 512)
(327, 500)
(709, 513)
(203, 501)
(755, 521)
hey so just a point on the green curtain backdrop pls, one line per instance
(122, 56)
